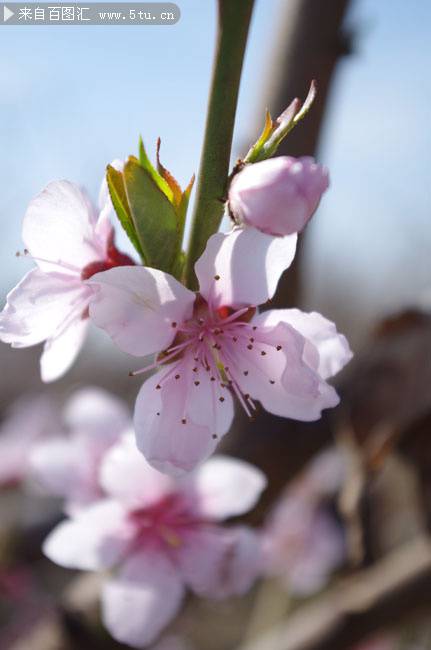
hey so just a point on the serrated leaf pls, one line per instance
(184, 202)
(169, 178)
(146, 163)
(118, 196)
(153, 215)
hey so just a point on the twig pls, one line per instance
(352, 610)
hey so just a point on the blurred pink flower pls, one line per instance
(302, 541)
(159, 537)
(30, 420)
(69, 242)
(279, 195)
(214, 344)
(68, 465)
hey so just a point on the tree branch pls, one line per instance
(361, 605)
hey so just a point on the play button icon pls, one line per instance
(7, 13)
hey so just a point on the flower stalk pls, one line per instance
(233, 25)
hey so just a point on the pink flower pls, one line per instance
(68, 465)
(213, 344)
(302, 541)
(30, 420)
(159, 537)
(69, 242)
(279, 195)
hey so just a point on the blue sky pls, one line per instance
(74, 98)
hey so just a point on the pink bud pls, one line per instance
(279, 195)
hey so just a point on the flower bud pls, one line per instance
(279, 195)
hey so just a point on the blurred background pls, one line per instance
(74, 98)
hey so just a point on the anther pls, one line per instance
(254, 328)
(249, 346)
(278, 348)
(184, 421)
(234, 339)
(212, 379)
(247, 395)
(245, 373)
(197, 383)
(221, 399)
(157, 413)
(271, 381)
(173, 324)
(214, 436)
(158, 387)
(195, 369)
(177, 376)
(251, 339)
(263, 353)
(131, 373)
(216, 277)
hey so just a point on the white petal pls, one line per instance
(59, 226)
(97, 412)
(281, 379)
(38, 305)
(55, 464)
(320, 333)
(60, 352)
(179, 426)
(126, 476)
(248, 264)
(219, 562)
(227, 487)
(97, 538)
(142, 599)
(137, 307)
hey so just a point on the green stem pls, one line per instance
(233, 24)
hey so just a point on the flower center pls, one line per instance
(164, 522)
(113, 258)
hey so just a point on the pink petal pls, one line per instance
(137, 306)
(37, 306)
(126, 476)
(220, 562)
(179, 425)
(227, 487)
(98, 413)
(139, 602)
(61, 350)
(280, 378)
(30, 420)
(59, 226)
(248, 264)
(97, 538)
(55, 464)
(333, 349)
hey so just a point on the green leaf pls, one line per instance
(275, 132)
(153, 215)
(145, 162)
(167, 176)
(118, 195)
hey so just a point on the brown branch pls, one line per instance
(350, 611)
